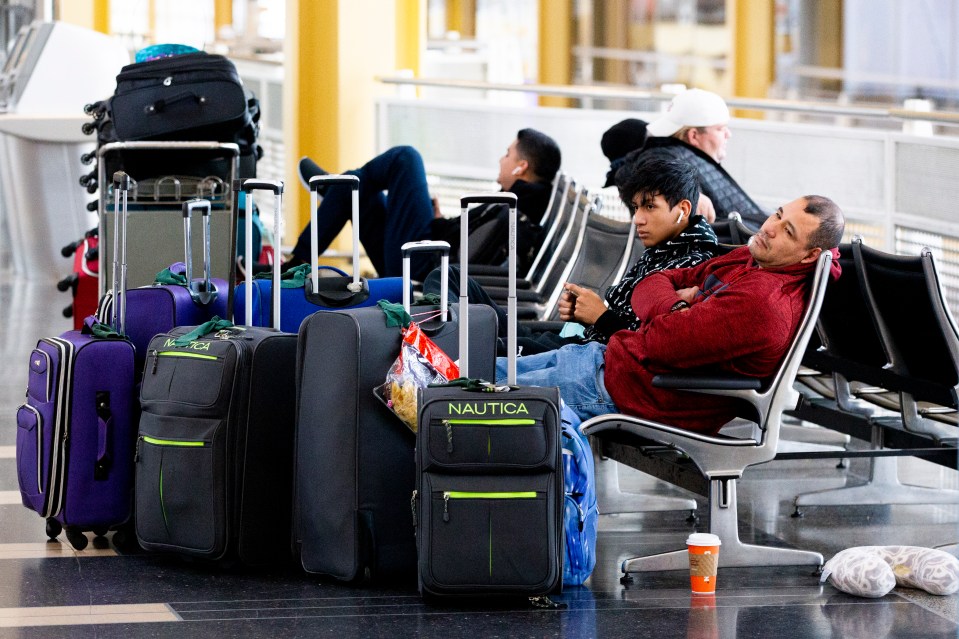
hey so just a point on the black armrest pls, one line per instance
(714, 382)
(502, 282)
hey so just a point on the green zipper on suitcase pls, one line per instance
(506, 421)
(462, 494)
(172, 443)
(158, 354)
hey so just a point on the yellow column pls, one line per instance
(555, 44)
(614, 17)
(753, 33)
(333, 53)
(92, 14)
(461, 17)
(222, 15)
(410, 34)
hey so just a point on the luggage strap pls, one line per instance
(211, 326)
(93, 327)
(172, 277)
(297, 276)
(476, 385)
(397, 316)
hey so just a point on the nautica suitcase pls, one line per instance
(178, 299)
(315, 293)
(489, 496)
(354, 458)
(76, 429)
(214, 460)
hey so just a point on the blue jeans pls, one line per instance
(387, 220)
(576, 369)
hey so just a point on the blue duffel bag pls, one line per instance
(581, 516)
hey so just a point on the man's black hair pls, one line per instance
(832, 222)
(541, 151)
(675, 180)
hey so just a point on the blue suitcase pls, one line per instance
(303, 297)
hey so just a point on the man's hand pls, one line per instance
(579, 304)
(687, 295)
(705, 208)
(437, 213)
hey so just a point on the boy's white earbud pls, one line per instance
(679, 220)
(517, 171)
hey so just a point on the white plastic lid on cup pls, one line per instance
(703, 539)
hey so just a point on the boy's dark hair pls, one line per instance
(675, 180)
(832, 222)
(541, 151)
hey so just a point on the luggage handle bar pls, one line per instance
(121, 189)
(316, 183)
(508, 199)
(205, 292)
(424, 246)
(276, 187)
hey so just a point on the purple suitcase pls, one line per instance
(151, 310)
(77, 428)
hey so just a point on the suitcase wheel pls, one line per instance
(101, 531)
(76, 538)
(53, 528)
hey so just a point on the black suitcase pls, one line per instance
(489, 497)
(214, 471)
(354, 458)
(189, 97)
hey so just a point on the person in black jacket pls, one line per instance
(660, 192)
(695, 129)
(407, 213)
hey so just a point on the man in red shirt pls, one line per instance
(736, 313)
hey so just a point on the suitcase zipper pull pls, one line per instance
(413, 507)
(136, 452)
(446, 506)
(155, 354)
(449, 435)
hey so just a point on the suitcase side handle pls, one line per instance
(427, 246)
(202, 292)
(316, 182)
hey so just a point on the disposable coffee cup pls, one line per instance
(703, 562)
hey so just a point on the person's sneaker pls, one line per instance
(309, 168)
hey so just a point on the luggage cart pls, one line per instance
(165, 175)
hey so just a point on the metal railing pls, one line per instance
(948, 118)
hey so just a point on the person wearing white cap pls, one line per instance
(695, 128)
(698, 118)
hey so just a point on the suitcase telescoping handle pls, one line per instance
(276, 187)
(424, 246)
(202, 292)
(317, 183)
(122, 183)
(509, 199)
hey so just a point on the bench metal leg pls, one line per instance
(724, 522)
(883, 488)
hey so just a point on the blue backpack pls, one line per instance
(581, 516)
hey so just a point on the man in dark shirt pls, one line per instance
(407, 213)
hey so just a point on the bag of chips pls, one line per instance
(420, 363)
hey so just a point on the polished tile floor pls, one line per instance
(49, 590)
